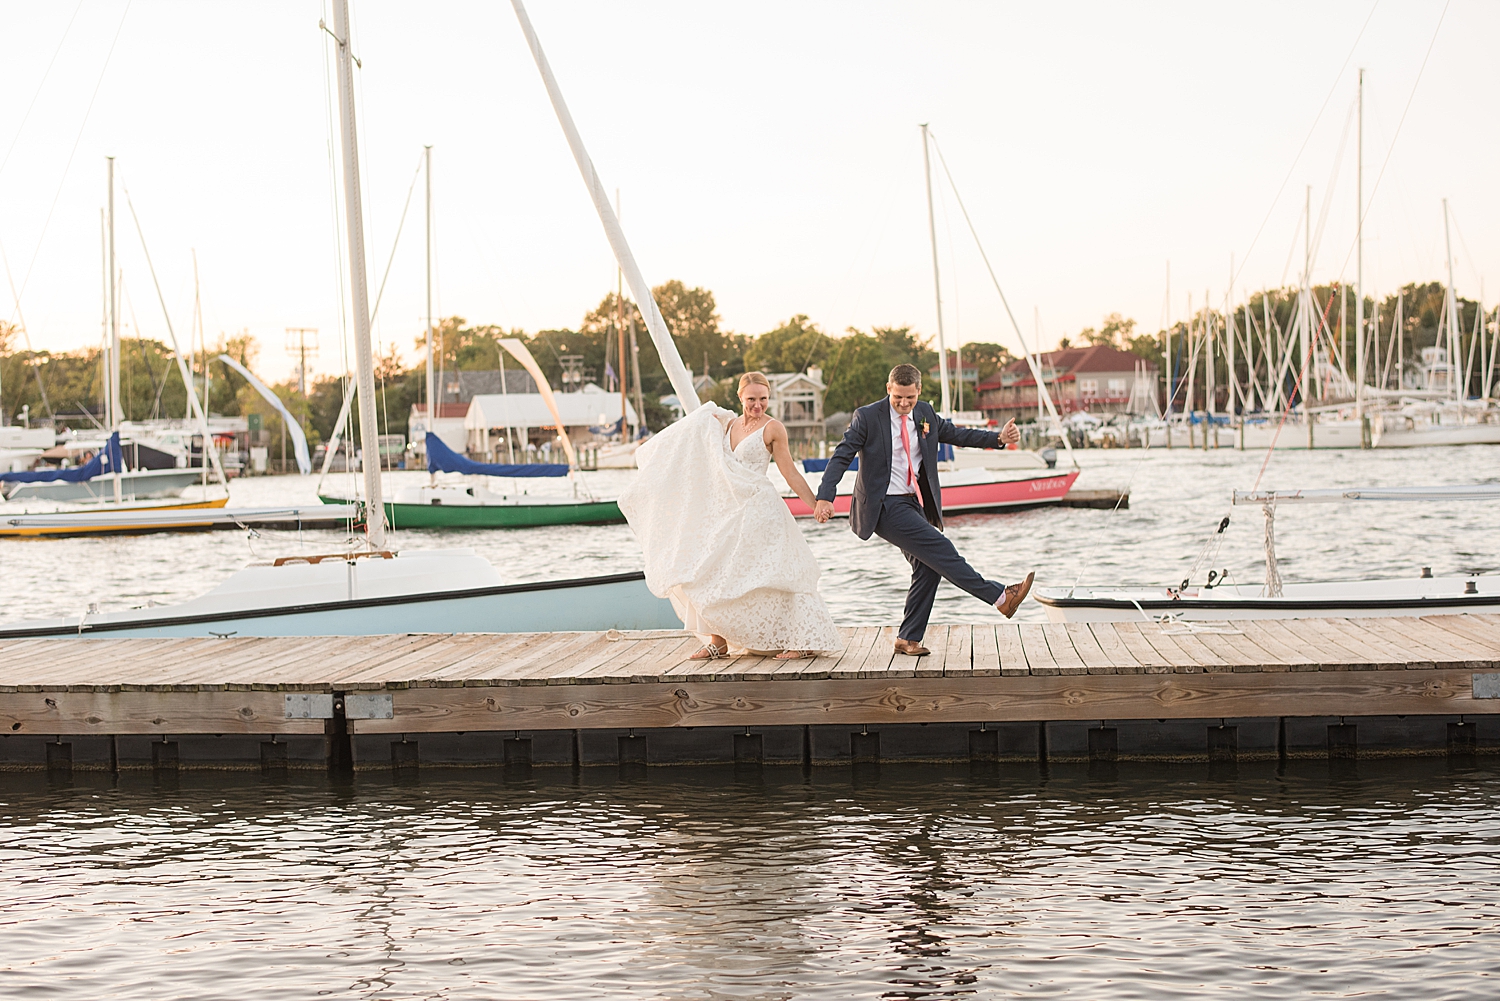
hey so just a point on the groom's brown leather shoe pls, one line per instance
(1014, 595)
(911, 648)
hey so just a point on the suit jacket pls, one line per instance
(869, 437)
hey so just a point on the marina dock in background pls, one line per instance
(1336, 688)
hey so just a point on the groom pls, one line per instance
(897, 497)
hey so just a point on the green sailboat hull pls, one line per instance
(496, 515)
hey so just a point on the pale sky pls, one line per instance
(768, 152)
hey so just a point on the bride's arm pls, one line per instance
(777, 440)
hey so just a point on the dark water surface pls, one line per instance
(1370, 880)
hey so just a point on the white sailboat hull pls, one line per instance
(1229, 602)
(144, 484)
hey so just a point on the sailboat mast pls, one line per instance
(937, 287)
(369, 439)
(116, 411)
(620, 335)
(432, 413)
(1359, 258)
(1452, 305)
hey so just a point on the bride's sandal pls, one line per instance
(709, 652)
(796, 655)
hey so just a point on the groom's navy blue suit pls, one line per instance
(911, 525)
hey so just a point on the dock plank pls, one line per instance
(1377, 647)
(1095, 660)
(959, 661)
(936, 640)
(1420, 641)
(1038, 654)
(986, 652)
(1013, 663)
(1133, 638)
(1166, 646)
(1275, 645)
(1115, 651)
(1322, 657)
(1469, 628)
(882, 651)
(1344, 653)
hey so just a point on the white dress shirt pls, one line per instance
(899, 483)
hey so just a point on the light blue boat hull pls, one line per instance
(589, 604)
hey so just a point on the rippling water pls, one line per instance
(905, 882)
(1177, 499)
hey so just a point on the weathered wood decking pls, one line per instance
(1006, 672)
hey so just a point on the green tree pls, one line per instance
(791, 347)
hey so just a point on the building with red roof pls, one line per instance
(1097, 378)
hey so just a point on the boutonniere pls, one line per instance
(926, 429)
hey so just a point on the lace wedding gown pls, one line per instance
(719, 540)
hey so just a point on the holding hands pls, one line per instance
(1010, 434)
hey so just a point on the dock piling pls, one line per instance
(1343, 741)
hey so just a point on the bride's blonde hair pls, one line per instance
(753, 378)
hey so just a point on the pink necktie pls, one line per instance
(911, 472)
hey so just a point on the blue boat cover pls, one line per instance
(442, 459)
(818, 465)
(110, 459)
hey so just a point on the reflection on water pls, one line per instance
(1177, 499)
(910, 882)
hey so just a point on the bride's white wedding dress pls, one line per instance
(719, 540)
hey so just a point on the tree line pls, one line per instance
(70, 385)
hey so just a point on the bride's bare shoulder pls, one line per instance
(775, 429)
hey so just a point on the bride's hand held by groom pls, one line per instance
(822, 511)
(1010, 434)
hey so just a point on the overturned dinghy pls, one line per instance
(377, 593)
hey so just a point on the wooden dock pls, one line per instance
(1106, 675)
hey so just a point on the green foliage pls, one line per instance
(791, 347)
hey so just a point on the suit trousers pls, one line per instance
(932, 557)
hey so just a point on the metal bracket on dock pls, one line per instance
(368, 706)
(1487, 686)
(309, 705)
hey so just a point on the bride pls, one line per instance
(719, 540)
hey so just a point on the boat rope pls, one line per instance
(1273, 573)
(1208, 556)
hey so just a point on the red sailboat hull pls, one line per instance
(972, 498)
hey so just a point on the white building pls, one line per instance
(491, 415)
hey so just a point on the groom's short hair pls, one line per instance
(906, 375)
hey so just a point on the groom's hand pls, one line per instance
(1010, 434)
(822, 511)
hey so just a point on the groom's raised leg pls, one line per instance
(903, 525)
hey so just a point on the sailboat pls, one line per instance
(971, 481)
(374, 590)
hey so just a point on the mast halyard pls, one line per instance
(937, 287)
(369, 440)
(432, 413)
